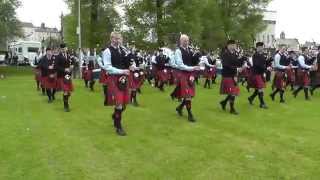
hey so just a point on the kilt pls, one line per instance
(88, 76)
(291, 78)
(257, 81)
(135, 82)
(279, 80)
(315, 78)
(115, 95)
(171, 76)
(154, 70)
(83, 72)
(59, 83)
(67, 87)
(176, 75)
(244, 73)
(163, 75)
(303, 78)
(210, 73)
(186, 85)
(43, 81)
(37, 74)
(103, 79)
(50, 83)
(229, 86)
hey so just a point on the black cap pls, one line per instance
(231, 42)
(63, 45)
(259, 44)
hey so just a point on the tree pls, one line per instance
(208, 22)
(232, 19)
(161, 21)
(9, 25)
(98, 18)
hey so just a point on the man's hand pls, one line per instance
(126, 72)
(196, 68)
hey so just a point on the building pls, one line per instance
(292, 44)
(39, 34)
(268, 35)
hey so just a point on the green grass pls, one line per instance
(39, 141)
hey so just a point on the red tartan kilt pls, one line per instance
(154, 69)
(83, 73)
(176, 76)
(257, 81)
(50, 83)
(279, 80)
(163, 76)
(88, 75)
(37, 75)
(229, 86)
(67, 87)
(43, 81)
(135, 83)
(290, 75)
(186, 90)
(103, 77)
(115, 95)
(210, 73)
(244, 73)
(303, 78)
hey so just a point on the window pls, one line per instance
(33, 49)
(20, 50)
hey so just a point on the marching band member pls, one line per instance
(303, 74)
(64, 73)
(103, 79)
(117, 67)
(185, 61)
(229, 86)
(316, 77)
(210, 70)
(280, 66)
(257, 79)
(162, 72)
(48, 74)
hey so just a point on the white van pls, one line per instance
(24, 51)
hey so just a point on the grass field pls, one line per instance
(38, 141)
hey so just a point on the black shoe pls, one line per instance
(49, 101)
(263, 106)
(234, 112)
(191, 119)
(223, 105)
(272, 97)
(250, 100)
(179, 111)
(114, 121)
(121, 132)
(294, 94)
(135, 103)
(172, 97)
(308, 99)
(311, 91)
(66, 110)
(282, 101)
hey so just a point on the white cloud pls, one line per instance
(298, 19)
(38, 11)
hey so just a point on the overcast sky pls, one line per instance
(297, 18)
